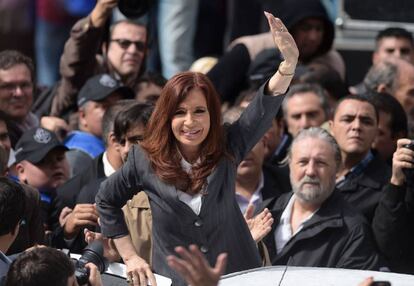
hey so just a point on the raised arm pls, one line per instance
(285, 43)
(78, 61)
(258, 116)
(112, 196)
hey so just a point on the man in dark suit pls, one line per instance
(12, 209)
(362, 174)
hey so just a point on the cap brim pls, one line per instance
(126, 92)
(39, 155)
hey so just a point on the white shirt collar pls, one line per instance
(255, 199)
(108, 169)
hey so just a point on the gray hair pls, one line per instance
(318, 133)
(308, 87)
(384, 73)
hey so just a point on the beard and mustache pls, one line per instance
(311, 190)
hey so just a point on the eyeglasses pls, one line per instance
(124, 44)
(10, 87)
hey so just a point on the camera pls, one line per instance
(134, 8)
(409, 173)
(92, 253)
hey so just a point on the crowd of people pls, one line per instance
(265, 156)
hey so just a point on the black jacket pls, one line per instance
(393, 227)
(364, 191)
(334, 237)
(276, 181)
(68, 193)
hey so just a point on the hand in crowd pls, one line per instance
(259, 225)
(139, 271)
(102, 11)
(94, 275)
(82, 215)
(64, 215)
(56, 125)
(110, 251)
(195, 269)
(403, 158)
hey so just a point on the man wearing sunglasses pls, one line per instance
(122, 55)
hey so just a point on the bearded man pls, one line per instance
(314, 226)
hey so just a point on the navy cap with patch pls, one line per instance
(35, 144)
(101, 86)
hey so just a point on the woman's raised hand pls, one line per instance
(284, 43)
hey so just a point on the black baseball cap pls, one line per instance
(35, 144)
(101, 86)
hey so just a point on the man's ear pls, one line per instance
(112, 139)
(330, 122)
(19, 168)
(382, 88)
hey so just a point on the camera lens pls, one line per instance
(92, 253)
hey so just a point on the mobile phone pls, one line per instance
(380, 283)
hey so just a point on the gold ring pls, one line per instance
(130, 279)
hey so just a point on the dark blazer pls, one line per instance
(364, 191)
(334, 237)
(220, 226)
(69, 191)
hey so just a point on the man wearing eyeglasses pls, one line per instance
(16, 88)
(122, 55)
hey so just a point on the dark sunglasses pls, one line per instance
(124, 44)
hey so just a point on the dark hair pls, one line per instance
(159, 141)
(153, 77)
(109, 116)
(43, 266)
(359, 97)
(10, 58)
(124, 21)
(308, 87)
(384, 73)
(387, 103)
(248, 95)
(394, 32)
(12, 205)
(149, 78)
(326, 77)
(131, 116)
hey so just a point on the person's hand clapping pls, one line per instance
(259, 225)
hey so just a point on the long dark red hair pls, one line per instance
(160, 143)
